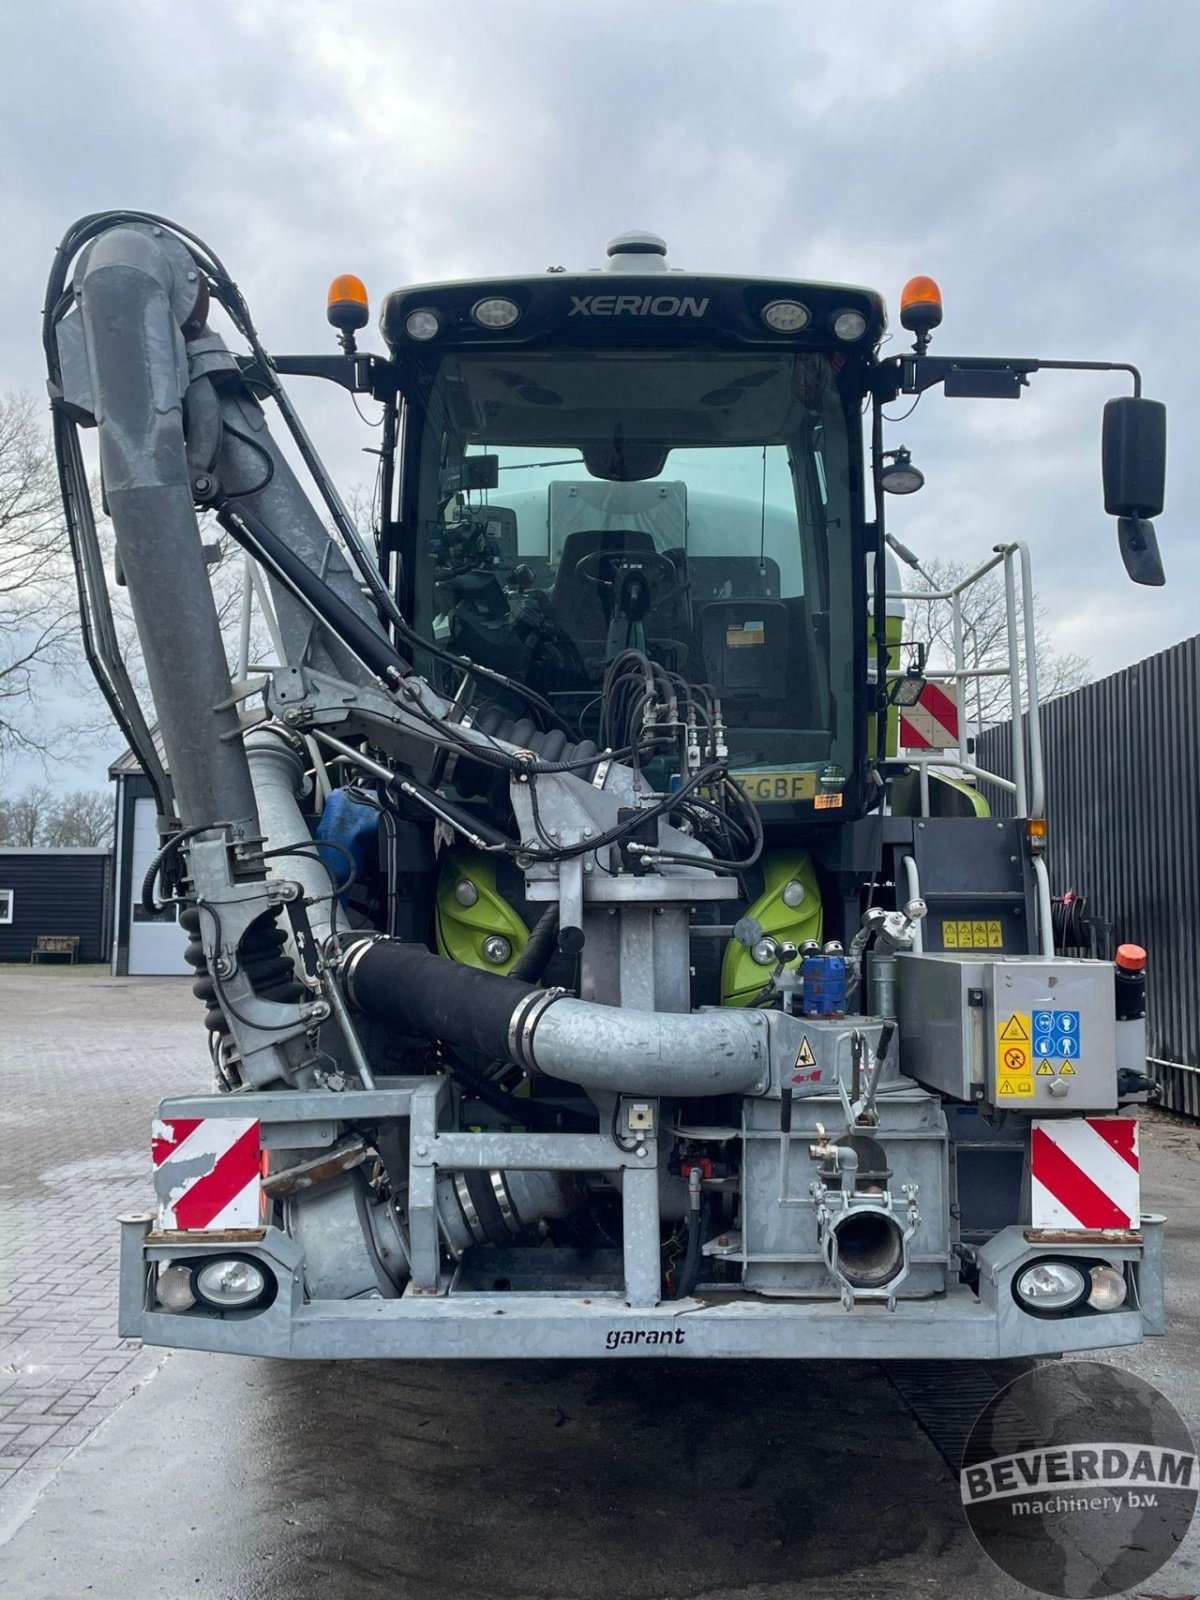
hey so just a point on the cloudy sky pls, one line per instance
(1039, 159)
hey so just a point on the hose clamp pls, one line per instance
(525, 1018)
(351, 956)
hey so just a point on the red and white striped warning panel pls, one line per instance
(932, 724)
(1085, 1173)
(207, 1172)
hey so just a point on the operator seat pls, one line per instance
(582, 609)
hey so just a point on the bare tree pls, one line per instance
(23, 817)
(82, 818)
(38, 621)
(985, 641)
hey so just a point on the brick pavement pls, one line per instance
(84, 1060)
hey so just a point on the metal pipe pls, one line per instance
(912, 879)
(277, 772)
(1041, 879)
(1014, 669)
(1037, 776)
(130, 301)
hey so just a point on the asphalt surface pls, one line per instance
(222, 1477)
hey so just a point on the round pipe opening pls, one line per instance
(870, 1247)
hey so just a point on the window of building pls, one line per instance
(6, 905)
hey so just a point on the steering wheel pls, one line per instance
(659, 573)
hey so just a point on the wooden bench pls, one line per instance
(55, 944)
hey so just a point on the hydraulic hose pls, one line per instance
(594, 1046)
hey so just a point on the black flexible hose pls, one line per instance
(530, 966)
(693, 1259)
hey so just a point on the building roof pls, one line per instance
(127, 764)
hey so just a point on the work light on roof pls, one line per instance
(423, 323)
(495, 312)
(786, 316)
(849, 325)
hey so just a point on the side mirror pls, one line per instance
(1134, 455)
(1139, 551)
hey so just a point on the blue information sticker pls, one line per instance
(1043, 1022)
(1067, 1022)
(1043, 1045)
(1066, 1046)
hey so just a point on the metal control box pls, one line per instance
(1023, 1033)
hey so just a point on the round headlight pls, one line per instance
(496, 313)
(1108, 1289)
(786, 316)
(496, 949)
(849, 325)
(793, 894)
(1051, 1286)
(465, 892)
(230, 1284)
(174, 1288)
(765, 952)
(422, 324)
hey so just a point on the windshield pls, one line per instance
(694, 506)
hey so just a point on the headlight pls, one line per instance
(496, 313)
(1108, 1289)
(765, 952)
(174, 1288)
(230, 1284)
(786, 316)
(496, 949)
(1051, 1286)
(793, 894)
(849, 325)
(422, 324)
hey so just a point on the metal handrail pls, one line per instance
(1028, 782)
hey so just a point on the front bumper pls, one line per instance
(958, 1325)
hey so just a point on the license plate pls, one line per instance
(779, 784)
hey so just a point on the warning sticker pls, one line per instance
(1045, 1070)
(827, 802)
(739, 635)
(804, 1056)
(1017, 1027)
(957, 935)
(1014, 1058)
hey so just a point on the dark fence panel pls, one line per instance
(1123, 805)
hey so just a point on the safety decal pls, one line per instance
(1057, 1039)
(207, 1172)
(932, 724)
(979, 935)
(1086, 1173)
(1014, 1064)
(804, 1056)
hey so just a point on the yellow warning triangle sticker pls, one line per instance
(804, 1056)
(1007, 1087)
(1066, 1070)
(1045, 1070)
(1015, 1028)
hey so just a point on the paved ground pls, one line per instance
(133, 1475)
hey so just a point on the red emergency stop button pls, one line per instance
(1131, 957)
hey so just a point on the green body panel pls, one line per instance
(895, 634)
(461, 929)
(948, 797)
(741, 976)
